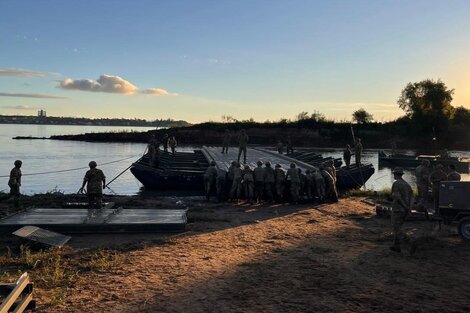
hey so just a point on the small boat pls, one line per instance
(184, 170)
(405, 160)
(347, 178)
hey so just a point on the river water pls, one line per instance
(54, 155)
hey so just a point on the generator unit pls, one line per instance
(454, 205)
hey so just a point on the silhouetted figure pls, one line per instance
(95, 182)
(15, 183)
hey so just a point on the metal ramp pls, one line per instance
(43, 236)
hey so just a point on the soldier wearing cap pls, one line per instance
(226, 141)
(279, 180)
(347, 156)
(242, 144)
(236, 188)
(402, 196)
(269, 179)
(453, 174)
(294, 179)
(95, 181)
(258, 174)
(330, 184)
(320, 188)
(220, 184)
(15, 183)
(309, 185)
(248, 183)
(210, 179)
(436, 177)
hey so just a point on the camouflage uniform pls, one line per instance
(236, 189)
(347, 156)
(15, 183)
(95, 179)
(309, 185)
(358, 152)
(401, 194)
(279, 177)
(331, 193)
(320, 187)
(269, 179)
(258, 174)
(248, 183)
(242, 143)
(210, 180)
(422, 181)
(226, 141)
(172, 143)
(220, 184)
(293, 177)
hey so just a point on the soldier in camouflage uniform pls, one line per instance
(95, 181)
(269, 179)
(258, 174)
(236, 188)
(320, 188)
(226, 141)
(293, 177)
(248, 183)
(436, 177)
(15, 183)
(210, 180)
(280, 178)
(242, 144)
(402, 196)
(220, 184)
(172, 143)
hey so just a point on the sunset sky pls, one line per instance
(199, 60)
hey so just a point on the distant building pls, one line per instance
(42, 113)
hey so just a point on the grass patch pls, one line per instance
(381, 194)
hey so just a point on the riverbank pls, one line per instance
(244, 258)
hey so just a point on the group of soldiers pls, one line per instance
(154, 148)
(427, 179)
(94, 181)
(265, 183)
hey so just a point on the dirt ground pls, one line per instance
(242, 258)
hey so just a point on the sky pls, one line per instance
(201, 60)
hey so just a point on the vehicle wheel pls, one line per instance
(464, 228)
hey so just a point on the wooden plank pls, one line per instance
(11, 298)
(23, 304)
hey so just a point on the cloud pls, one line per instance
(105, 83)
(20, 107)
(18, 72)
(30, 95)
(157, 92)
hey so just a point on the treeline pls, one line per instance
(53, 120)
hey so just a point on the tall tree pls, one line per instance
(428, 104)
(361, 116)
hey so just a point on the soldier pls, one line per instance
(293, 177)
(453, 174)
(15, 183)
(165, 143)
(236, 189)
(401, 195)
(309, 185)
(436, 177)
(280, 147)
(290, 148)
(220, 184)
(331, 193)
(152, 151)
(259, 181)
(280, 178)
(226, 141)
(303, 181)
(358, 151)
(422, 181)
(330, 167)
(172, 143)
(248, 183)
(347, 156)
(242, 143)
(96, 183)
(210, 177)
(269, 179)
(320, 188)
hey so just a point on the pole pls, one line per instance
(352, 132)
(117, 176)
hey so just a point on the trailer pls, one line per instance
(454, 205)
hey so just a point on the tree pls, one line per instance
(428, 104)
(361, 116)
(461, 116)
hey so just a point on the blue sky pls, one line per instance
(199, 60)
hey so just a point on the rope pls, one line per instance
(72, 169)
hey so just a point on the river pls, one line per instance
(53, 155)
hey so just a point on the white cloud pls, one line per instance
(18, 72)
(106, 83)
(30, 95)
(158, 92)
(20, 107)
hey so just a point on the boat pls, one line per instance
(351, 177)
(183, 170)
(411, 161)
